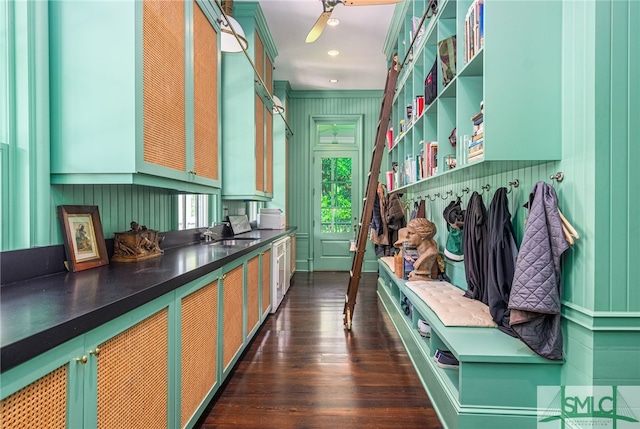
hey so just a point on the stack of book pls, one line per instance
(473, 30)
(476, 146)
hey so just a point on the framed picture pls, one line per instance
(83, 238)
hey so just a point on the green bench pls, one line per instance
(495, 385)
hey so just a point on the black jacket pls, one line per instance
(475, 248)
(502, 259)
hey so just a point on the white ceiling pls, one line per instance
(359, 38)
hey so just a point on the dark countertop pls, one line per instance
(39, 314)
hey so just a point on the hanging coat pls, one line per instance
(535, 300)
(379, 233)
(475, 248)
(502, 259)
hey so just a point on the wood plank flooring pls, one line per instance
(304, 370)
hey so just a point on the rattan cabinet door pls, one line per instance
(233, 314)
(45, 391)
(132, 372)
(253, 294)
(266, 282)
(199, 345)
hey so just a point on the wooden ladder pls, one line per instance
(370, 192)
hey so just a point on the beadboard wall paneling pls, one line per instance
(119, 205)
(303, 105)
(601, 151)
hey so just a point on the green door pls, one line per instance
(336, 207)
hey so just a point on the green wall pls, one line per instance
(304, 105)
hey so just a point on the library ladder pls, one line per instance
(370, 192)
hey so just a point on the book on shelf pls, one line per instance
(477, 136)
(418, 105)
(431, 159)
(478, 117)
(476, 148)
(389, 180)
(390, 138)
(473, 30)
(476, 156)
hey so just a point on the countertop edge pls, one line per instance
(24, 349)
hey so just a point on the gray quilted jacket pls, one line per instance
(535, 301)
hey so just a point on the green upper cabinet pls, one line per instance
(501, 59)
(134, 93)
(247, 152)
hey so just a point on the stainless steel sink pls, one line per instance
(235, 242)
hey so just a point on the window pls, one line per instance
(194, 210)
(336, 210)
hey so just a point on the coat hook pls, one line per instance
(485, 188)
(447, 194)
(558, 177)
(464, 191)
(512, 185)
(434, 197)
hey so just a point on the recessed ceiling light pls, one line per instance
(334, 81)
(333, 22)
(333, 52)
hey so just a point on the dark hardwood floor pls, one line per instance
(304, 370)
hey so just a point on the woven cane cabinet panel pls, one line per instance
(293, 253)
(253, 293)
(248, 144)
(41, 404)
(205, 92)
(260, 149)
(233, 304)
(134, 85)
(268, 155)
(163, 84)
(132, 376)
(266, 280)
(199, 327)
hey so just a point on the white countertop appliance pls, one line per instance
(270, 219)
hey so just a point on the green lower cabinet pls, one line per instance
(128, 377)
(153, 367)
(47, 391)
(496, 382)
(198, 373)
(114, 376)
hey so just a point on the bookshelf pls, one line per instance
(509, 73)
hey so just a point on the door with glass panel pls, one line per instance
(336, 202)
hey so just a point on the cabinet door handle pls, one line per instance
(95, 352)
(222, 277)
(82, 360)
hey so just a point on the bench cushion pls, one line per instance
(450, 305)
(389, 261)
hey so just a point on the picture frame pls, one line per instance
(84, 242)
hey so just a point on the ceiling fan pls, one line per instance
(328, 6)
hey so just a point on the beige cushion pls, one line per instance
(450, 305)
(389, 261)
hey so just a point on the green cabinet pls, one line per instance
(514, 74)
(247, 152)
(198, 354)
(134, 93)
(487, 357)
(156, 366)
(90, 381)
